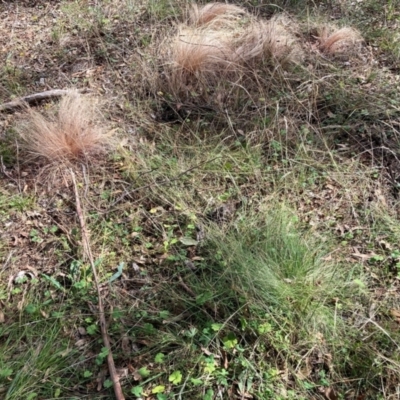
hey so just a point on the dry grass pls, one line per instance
(223, 41)
(221, 13)
(271, 40)
(76, 131)
(334, 41)
(195, 51)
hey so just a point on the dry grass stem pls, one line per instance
(76, 130)
(103, 324)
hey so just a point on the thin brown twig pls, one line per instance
(86, 246)
(35, 98)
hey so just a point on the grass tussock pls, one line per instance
(265, 268)
(75, 131)
(334, 41)
(224, 42)
(193, 53)
(43, 355)
(214, 12)
(272, 40)
(222, 47)
(275, 264)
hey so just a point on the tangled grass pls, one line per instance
(217, 13)
(338, 41)
(222, 42)
(225, 58)
(75, 131)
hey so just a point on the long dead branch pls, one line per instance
(33, 99)
(86, 246)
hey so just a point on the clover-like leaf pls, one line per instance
(176, 377)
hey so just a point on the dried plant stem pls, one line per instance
(35, 98)
(86, 246)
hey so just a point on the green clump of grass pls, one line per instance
(274, 265)
(277, 293)
(267, 263)
(35, 358)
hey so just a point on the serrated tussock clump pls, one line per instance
(337, 41)
(221, 13)
(75, 131)
(270, 40)
(222, 41)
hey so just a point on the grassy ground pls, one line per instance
(246, 238)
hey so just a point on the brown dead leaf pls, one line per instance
(15, 240)
(246, 395)
(330, 394)
(319, 336)
(82, 331)
(80, 343)
(395, 314)
(101, 377)
(122, 373)
(136, 376)
(225, 359)
(33, 270)
(208, 353)
(125, 345)
(21, 303)
(386, 245)
(361, 256)
(46, 375)
(2, 318)
(304, 372)
(381, 197)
